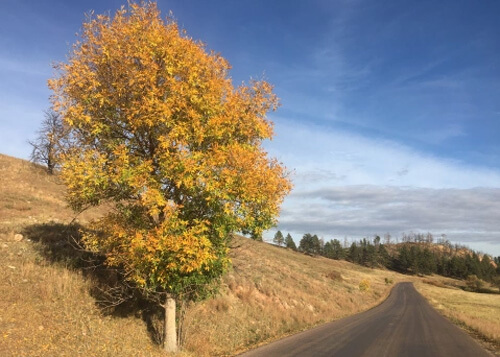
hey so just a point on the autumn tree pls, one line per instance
(47, 144)
(159, 130)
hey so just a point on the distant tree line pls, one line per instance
(416, 254)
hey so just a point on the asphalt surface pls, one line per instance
(403, 325)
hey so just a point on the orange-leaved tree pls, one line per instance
(156, 126)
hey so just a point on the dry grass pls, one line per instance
(28, 195)
(478, 313)
(272, 292)
(47, 308)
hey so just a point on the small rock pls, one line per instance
(18, 237)
(4, 245)
(11, 267)
(40, 327)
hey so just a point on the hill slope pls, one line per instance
(49, 305)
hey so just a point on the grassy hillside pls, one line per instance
(50, 303)
(478, 314)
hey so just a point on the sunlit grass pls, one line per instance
(46, 308)
(478, 312)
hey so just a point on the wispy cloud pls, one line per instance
(339, 157)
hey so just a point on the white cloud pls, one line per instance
(350, 185)
(333, 157)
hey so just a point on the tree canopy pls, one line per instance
(310, 244)
(156, 126)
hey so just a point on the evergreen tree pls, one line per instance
(369, 256)
(354, 253)
(310, 244)
(404, 261)
(279, 239)
(328, 250)
(428, 262)
(383, 257)
(289, 242)
(487, 269)
(458, 269)
(338, 251)
(473, 264)
(415, 262)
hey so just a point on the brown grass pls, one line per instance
(272, 292)
(28, 195)
(46, 305)
(46, 310)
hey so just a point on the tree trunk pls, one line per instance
(170, 337)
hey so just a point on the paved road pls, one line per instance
(404, 325)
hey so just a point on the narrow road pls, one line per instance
(404, 325)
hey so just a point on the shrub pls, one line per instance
(334, 275)
(364, 285)
(474, 283)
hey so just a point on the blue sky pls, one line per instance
(390, 115)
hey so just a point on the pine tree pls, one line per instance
(278, 239)
(289, 242)
(310, 244)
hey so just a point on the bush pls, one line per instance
(334, 275)
(474, 283)
(388, 281)
(364, 285)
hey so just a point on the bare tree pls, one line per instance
(47, 144)
(429, 238)
(387, 238)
